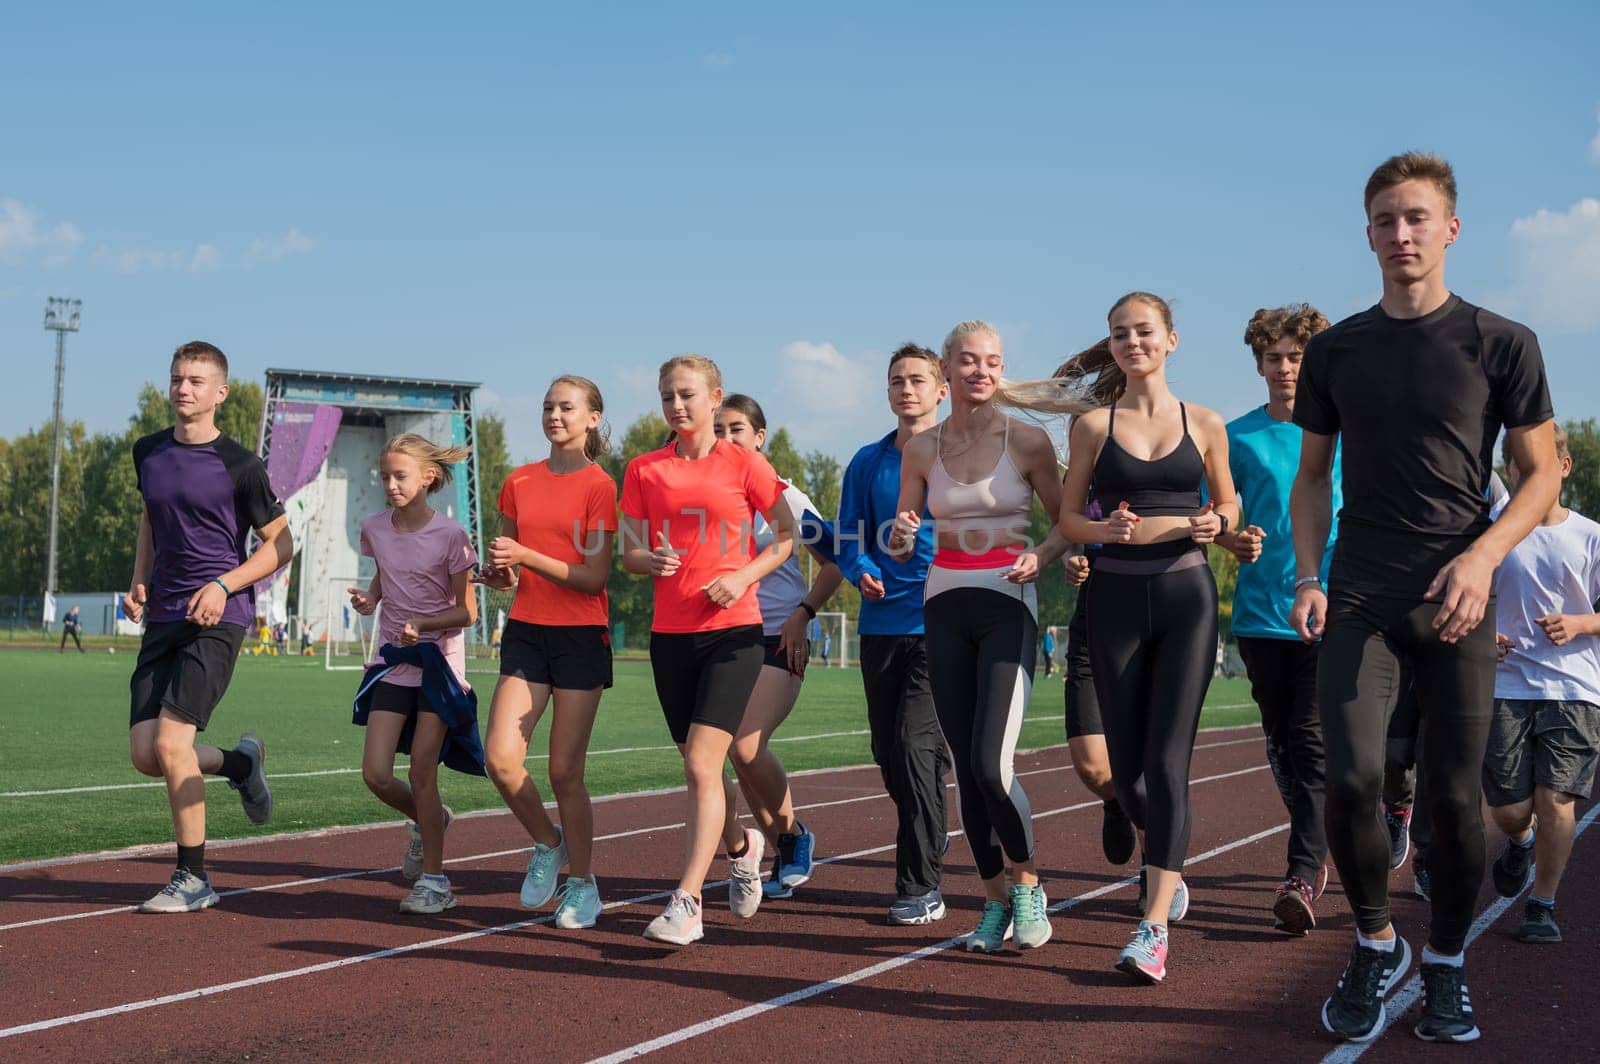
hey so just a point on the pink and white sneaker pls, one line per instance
(1145, 958)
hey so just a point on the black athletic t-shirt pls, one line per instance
(1419, 403)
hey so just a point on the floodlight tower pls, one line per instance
(60, 317)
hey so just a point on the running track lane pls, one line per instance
(619, 991)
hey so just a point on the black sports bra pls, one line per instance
(1168, 486)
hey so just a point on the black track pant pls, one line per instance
(1153, 644)
(910, 753)
(981, 650)
(73, 632)
(1401, 787)
(1283, 681)
(1358, 681)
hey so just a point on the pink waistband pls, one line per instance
(998, 558)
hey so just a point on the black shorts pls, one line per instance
(569, 657)
(778, 659)
(1083, 705)
(706, 677)
(398, 698)
(1554, 745)
(184, 669)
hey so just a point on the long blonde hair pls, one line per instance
(1088, 380)
(429, 455)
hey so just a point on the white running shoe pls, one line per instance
(185, 893)
(411, 867)
(744, 876)
(679, 923)
(426, 898)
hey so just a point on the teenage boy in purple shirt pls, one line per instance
(194, 586)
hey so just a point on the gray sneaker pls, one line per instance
(426, 898)
(544, 869)
(744, 876)
(679, 923)
(411, 867)
(185, 893)
(923, 909)
(254, 793)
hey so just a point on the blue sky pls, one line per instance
(503, 193)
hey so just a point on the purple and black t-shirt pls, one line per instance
(202, 499)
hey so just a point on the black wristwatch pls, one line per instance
(1224, 519)
(804, 605)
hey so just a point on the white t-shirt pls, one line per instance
(782, 591)
(1556, 569)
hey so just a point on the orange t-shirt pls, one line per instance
(707, 509)
(559, 515)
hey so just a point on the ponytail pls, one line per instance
(598, 440)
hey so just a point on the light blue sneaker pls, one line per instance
(580, 903)
(1180, 902)
(922, 909)
(1145, 958)
(1030, 922)
(539, 884)
(993, 929)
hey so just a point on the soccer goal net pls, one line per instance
(348, 638)
(832, 641)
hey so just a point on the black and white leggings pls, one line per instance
(982, 639)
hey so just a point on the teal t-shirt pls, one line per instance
(1263, 455)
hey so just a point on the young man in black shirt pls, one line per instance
(1418, 387)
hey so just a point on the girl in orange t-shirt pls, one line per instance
(688, 513)
(555, 545)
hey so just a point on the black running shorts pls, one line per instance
(706, 677)
(568, 657)
(184, 669)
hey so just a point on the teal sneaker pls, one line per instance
(1180, 902)
(539, 884)
(993, 929)
(580, 903)
(1030, 921)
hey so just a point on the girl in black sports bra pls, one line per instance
(1152, 605)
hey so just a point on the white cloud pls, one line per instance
(825, 396)
(1555, 268)
(202, 258)
(24, 234)
(294, 242)
(716, 60)
(206, 259)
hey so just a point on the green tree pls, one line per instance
(1225, 569)
(630, 596)
(494, 465)
(239, 416)
(1581, 490)
(785, 458)
(824, 477)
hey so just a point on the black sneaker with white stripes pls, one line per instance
(1446, 1008)
(1355, 1011)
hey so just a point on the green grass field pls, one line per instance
(63, 724)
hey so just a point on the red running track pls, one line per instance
(325, 967)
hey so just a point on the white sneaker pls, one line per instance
(185, 893)
(411, 867)
(580, 903)
(679, 923)
(744, 876)
(427, 898)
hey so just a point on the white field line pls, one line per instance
(684, 1034)
(1409, 994)
(495, 854)
(450, 940)
(210, 780)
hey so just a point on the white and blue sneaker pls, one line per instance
(544, 867)
(796, 854)
(773, 886)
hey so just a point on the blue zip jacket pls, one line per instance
(867, 503)
(462, 750)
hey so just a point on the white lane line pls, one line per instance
(292, 973)
(1409, 994)
(313, 773)
(358, 873)
(684, 1034)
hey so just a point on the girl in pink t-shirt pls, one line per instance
(423, 561)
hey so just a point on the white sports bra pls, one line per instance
(1001, 500)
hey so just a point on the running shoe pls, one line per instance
(1538, 924)
(1180, 902)
(427, 898)
(411, 867)
(773, 886)
(922, 909)
(1145, 958)
(1355, 1011)
(580, 903)
(679, 923)
(994, 927)
(1116, 834)
(1319, 884)
(1446, 1008)
(184, 893)
(1030, 920)
(544, 869)
(254, 794)
(744, 876)
(1513, 869)
(797, 857)
(1398, 821)
(1292, 907)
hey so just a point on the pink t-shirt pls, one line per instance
(416, 571)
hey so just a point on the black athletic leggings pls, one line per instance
(982, 645)
(1359, 677)
(1153, 644)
